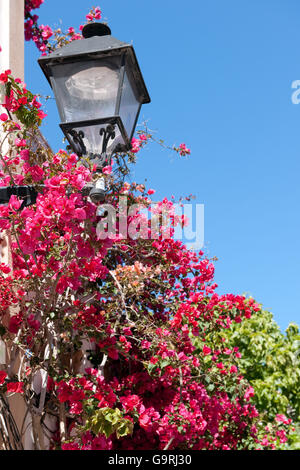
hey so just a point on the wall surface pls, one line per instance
(12, 36)
(11, 57)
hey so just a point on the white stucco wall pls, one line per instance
(12, 36)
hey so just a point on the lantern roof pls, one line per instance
(97, 43)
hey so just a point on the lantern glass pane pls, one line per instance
(93, 140)
(129, 106)
(86, 90)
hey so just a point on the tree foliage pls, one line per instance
(270, 360)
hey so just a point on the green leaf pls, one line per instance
(125, 427)
(107, 421)
(2, 330)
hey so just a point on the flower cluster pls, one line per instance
(162, 376)
(183, 150)
(46, 38)
(9, 387)
(144, 137)
(127, 331)
(94, 14)
(137, 144)
(21, 102)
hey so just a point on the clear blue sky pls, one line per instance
(219, 74)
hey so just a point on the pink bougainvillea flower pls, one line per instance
(5, 268)
(3, 376)
(14, 324)
(280, 418)
(206, 350)
(183, 150)
(14, 203)
(80, 213)
(107, 170)
(15, 387)
(20, 142)
(150, 191)
(46, 32)
(249, 393)
(135, 145)
(41, 114)
(4, 76)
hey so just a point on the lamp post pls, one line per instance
(99, 91)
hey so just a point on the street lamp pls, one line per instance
(99, 91)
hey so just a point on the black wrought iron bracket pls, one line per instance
(107, 129)
(27, 193)
(108, 133)
(100, 159)
(78, 141)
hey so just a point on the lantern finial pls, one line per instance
(95, 29)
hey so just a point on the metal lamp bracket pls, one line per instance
(107, 130)
(27, 193)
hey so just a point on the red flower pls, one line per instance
(5, 268)
(130, 402)
(183, 150)
(20, 142)
(14, 324)
(15, 387)
(41, 114)
(22, 100)
(249, 393)
(4, 76)
(64, 392)
(206, 350)
(3, 376)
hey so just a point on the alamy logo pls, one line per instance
(296, 94)
(183, 222)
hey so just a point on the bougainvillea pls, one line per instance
(46, 38)
(107, 324)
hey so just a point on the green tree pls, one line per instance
(271, 363)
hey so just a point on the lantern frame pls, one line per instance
(98, 44)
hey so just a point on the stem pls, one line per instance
(62, 422)
(169, 443)
(121, 293)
